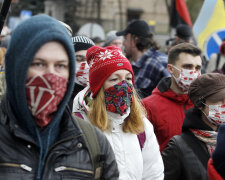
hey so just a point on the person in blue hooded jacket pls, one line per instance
(39, 139)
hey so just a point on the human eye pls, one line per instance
(61, 66)
(129, 78)
(37, 64)
(187, 66)
(80, 58)
(198, 68)
(113, 79)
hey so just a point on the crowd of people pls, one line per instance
(122, 109)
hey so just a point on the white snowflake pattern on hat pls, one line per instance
(121, 54)
(91, 62)
(105, 55)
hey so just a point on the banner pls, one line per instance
(209, 28)
(179, 14)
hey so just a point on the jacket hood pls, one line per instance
(193, 120)
(79, 103)
(26, 40)
(163, 89)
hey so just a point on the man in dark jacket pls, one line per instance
(39, 139)
(169, 100)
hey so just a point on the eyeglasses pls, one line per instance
(80, 58)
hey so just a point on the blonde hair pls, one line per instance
(2, 55)
(132, 124)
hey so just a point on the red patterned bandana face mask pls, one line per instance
(186, 77)
(82, 74)
(44, 93)
(119, 97)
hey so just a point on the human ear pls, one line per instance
(133, 41)
(170, 68)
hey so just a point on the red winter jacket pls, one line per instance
(213, 174)
(166, 111)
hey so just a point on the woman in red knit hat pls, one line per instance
(111, 104)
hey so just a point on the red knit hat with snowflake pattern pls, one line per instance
(103, 62)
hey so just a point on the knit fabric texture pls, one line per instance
(111, 36)
(103, 62)
(82, 43)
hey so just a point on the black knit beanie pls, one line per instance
(82, 43)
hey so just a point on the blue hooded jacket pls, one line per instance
(26, 40)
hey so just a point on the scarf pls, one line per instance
(208, 137)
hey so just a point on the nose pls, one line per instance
(123, 78)
(50, 69)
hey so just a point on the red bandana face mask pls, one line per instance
(44, 93)
(82, 74)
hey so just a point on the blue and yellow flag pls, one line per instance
(209, 28)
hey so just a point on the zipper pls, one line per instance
(63, 168)
(22, 166)
(49, 159)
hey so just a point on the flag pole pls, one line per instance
(4, 12)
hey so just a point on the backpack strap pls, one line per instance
(141, 139)
(199, 150)
(91, 141)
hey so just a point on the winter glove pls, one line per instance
(218, 155)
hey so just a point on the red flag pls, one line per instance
(179, 13)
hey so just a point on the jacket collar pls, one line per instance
(68, 126)
(193, 120)
(142, 60)
(7, 118)
(163, 89)
(79, 103)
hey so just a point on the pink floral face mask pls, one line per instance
(186, 77)
(44, 93)
(119, 97)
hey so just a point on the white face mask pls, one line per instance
(82, 76)
(216, 114)
(186, 77)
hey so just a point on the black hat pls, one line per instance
(82, 43)
(136, 27)
(183, 31)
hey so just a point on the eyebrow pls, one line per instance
(199, 66)
(191, 65)
(43, 60)
(118, 74)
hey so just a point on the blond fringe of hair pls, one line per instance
(132, 124)
(2, 55)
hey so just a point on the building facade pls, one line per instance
(111, 14)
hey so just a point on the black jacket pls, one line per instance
(186, 157)
(67, 158)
